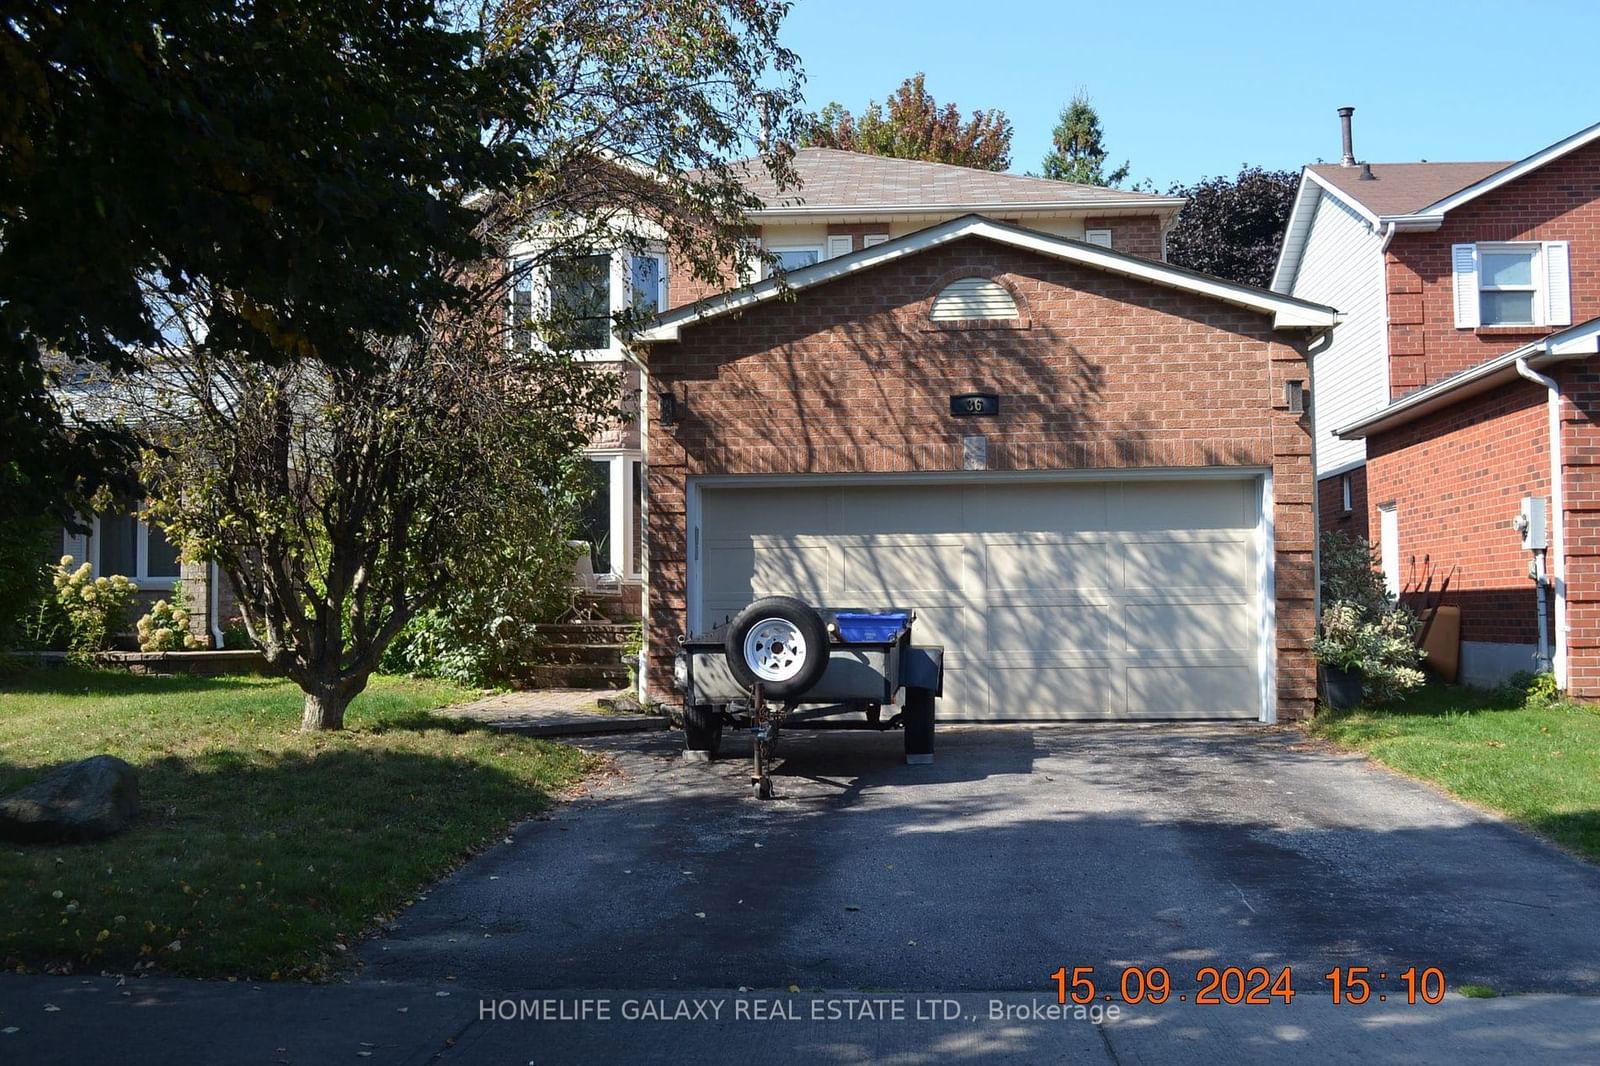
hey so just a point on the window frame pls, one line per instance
(1345, 492)
(663, 289)
(624, 512)
(1535, 287)
(619, 292)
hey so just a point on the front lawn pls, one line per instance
(262, 852)
(1538, 765)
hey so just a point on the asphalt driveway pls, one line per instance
(1021, 850)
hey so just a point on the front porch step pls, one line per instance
(585, 632)
(578, 675)
(609, 654)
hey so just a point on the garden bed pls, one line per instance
(204, 663)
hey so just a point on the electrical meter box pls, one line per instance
(1531, 523)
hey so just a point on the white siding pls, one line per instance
(1342, 266)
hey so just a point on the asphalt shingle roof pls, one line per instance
(853, 180)
(1403, 188)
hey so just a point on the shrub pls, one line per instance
(1361, 628)
(166, 627)
(1532, 690)
(235, 637)
(24, 578)
(96, 608)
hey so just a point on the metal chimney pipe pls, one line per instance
(1349, 159)
(764, 109)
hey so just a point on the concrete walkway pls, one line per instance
(553, 712)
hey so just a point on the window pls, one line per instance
(797, 257)
(1102, 237)
(1344, 491)
(521, 304)
(580, 302)
(123, 544)
(971, 298)
(636, 556)
(647, 282)
(1505, 285)
(595, 522)
(840, 244)
(872, 240)
(1518, 283)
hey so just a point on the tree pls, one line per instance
(1078, 155)
(912, 125)
(348, 480)
(304, 161)
(1232, 227)
(344, 501)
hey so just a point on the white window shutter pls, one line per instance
(872, 240)
(1102, 237)
(1464, 269)
(1557, 284)
(840, 244)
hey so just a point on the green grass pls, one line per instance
(1538, 765)
(262, 852)
(1477, 991)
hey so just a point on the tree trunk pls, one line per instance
(325, 708)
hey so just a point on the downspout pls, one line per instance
(211, 607)
(1558, 532)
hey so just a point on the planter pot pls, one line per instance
(1342, 687)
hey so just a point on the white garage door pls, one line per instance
(1053, 600)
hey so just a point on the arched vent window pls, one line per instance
(969, 298)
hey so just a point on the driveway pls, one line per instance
(1021, 850)
(879, 913)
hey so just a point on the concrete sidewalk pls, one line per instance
(164, 1022)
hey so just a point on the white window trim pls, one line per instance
(840, 244)
(872, 240)
(1389, 547)
(1535, 272)
(779, 249)
(1344, 488)
(141, 558)
(1101, 237)
(662, 292)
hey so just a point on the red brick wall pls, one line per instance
(1109, 373)
(1580, 434)
(1331, 514)
(1558, 202)
(1134, 234)
(1457, 478)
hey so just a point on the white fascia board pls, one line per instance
(1159, 205)
(1509, 174)
(1287, 312)
(1333, 190)
(1295, 234)
(1574, 343)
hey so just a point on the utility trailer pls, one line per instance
(781, 663)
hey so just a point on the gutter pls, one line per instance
(212, 580)
(1558, 516)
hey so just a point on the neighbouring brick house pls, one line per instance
(1457, 363)
(1131, 535)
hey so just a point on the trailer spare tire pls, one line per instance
(780, 643)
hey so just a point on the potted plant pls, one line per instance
(1341, 651)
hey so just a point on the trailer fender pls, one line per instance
(923, 668)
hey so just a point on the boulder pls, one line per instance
(83, 800)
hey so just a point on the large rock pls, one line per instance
(84, 800)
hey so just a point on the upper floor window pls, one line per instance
(580, 301)
(570, 302)
(972, 298)
(1514, 283)
(797, 257)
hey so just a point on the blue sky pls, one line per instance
(1184, 92)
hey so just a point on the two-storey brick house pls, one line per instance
(1459, 384)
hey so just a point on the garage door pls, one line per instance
(1053, 600)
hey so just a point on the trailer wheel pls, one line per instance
(780, 643)
(702, 729)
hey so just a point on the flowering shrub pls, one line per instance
(166, 628)
(1382, 646)
(96, 607)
